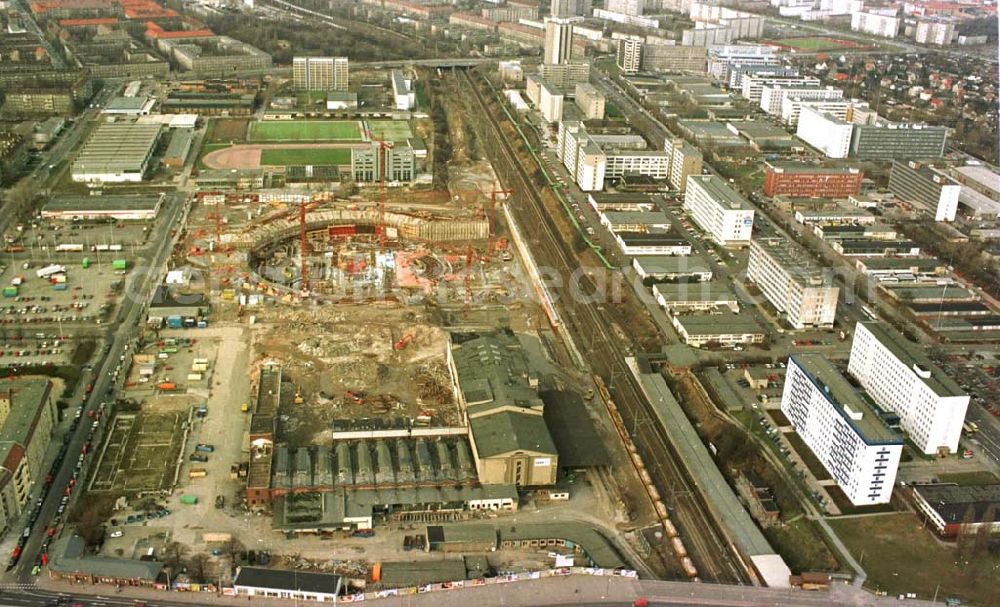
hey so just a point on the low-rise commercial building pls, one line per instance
(27, 419)
(923, 185)
(841, 428)
(651, 243)
(405, 98)
(291, 585)
(719, 210)
(698, 330)
(707, 296)
(672, 268)
(900, 378)
(90, 208)
(802, 180)
(178, 148)
(794, 284)
(116, 153)
(948, 507)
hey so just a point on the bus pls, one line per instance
(869, 313)
(970, 428)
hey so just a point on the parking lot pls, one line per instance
(87, 296)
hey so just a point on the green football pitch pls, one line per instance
(305, 130)
(390, 130)
(305, 156)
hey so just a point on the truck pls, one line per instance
(60, 286)
(49, 270)
(197, 473)
(69, 248)
(194, 376)
(10, 291)
(174, 322)
(167, 386)
(119, 264)
(220, 501)
(199, 368)
(199, 457)
(201, 411)
(189, 500)
(204, 448)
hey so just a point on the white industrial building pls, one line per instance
(877, 23)
(825, 132)
(724, 57)
(404, 97)
(842, 429)
(900, 378)
(719, 210)
(792, 282)
(116, 152)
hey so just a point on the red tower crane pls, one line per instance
(381, 163)
(304, 243)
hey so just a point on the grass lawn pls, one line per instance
(810, 460)
(901, 556)
(390, 130)
(304, 156)
(801, 544)
(305, 130)
(817, 43)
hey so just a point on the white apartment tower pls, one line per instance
(581, 156)
(841, 428)
(792, 282)
(320, 73)
(630, 54)
(719, 210)
(558, 41)
(825, 132)
(901, 379)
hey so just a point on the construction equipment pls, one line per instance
(493, 217)
(357, 397)
(383, 145)
(304, 243)
(399, 345)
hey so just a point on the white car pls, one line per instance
(116, 534)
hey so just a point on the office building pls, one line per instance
(900, 378)
(726, 329)
(590, 101)
(752, 85)
(648, 163)
(116, 152)
(582, 157)
(885, 140)
(673, 58)
(685, 160)
(679, 297)
(924, 186)
(27, 418)
(719, 210)
(558, 41)
(629, 55)
(825, 132)
(802, 180)
(320, 73)
(633, 8)
(680, 269)
(399, 163)
(876, 23)
(773, 94)
(794, 284)
(569, 8)
(842, 429)
(830, 100)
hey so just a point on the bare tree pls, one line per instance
(173, 553)
(198, 567)
(232, 548)
(984, 530)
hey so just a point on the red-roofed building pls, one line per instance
(88, 22)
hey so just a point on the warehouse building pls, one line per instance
(701, 297)
(27, 418)
(900, 378)
(719, 210)
(921, 184)
(320, 73)
(129, 106)
(947, 507)
(511, 443)
(794, 284)
(94, 208)
(70, 561)
(842, 429)
(178, 148)
(116, 153)
(801, 180)
(672, 268)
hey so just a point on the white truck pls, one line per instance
(49, 270)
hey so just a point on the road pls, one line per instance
(141, 280)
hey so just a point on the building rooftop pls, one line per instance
(855, 407)
(492, 373)
(67, 555)
(952, 502)
(117, 148)
(104, 203)
(698, 291)
(719, 324)
(897, 263)
(127, 104)
(418, 573)
(755, 129)
(926, 171)
(913, 355)
(645, 218)
(507, 431)
(673, 264)
(720, 191)
(793, 259)
(293, 581)
(27, 398)
(980, 174)
(808, 168)
(480, 533)
(650, 239)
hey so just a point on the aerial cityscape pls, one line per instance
(500, 302)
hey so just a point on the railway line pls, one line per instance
(580, 317)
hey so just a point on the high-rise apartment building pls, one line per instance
(569, 8)
(825, 132)
(841, 428)
(900, 378)
(581, 156)
(558, 41)
(320, 73)
(719, 210)
(630, 54)
(685, 160)
(793, 283)
(626, 7)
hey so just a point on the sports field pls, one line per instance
(304, 156)
(816, 43)
(390, 130)
(305, 130)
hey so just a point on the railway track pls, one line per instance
(606, 353)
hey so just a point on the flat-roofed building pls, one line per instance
(651, 243)
(582, 157)
(215, 55)
(793, 283)
(116, 153)
(917, 182)
(825, 132)
(695, 297)
(697, 330)
(89, 208)
(590, 101)
(685, 160)
(635, 221)
(754, 83)
(841, 428)
(320, 73)
(629, 54)
(291, 585)
(886, 140)
(672, 268)
(400, 164)
(673, 58)
(838, 216)
(947, 507)
(802, 180)
(900, 378)
(649, 163)
(719, 210)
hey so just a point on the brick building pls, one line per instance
(811, 181)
